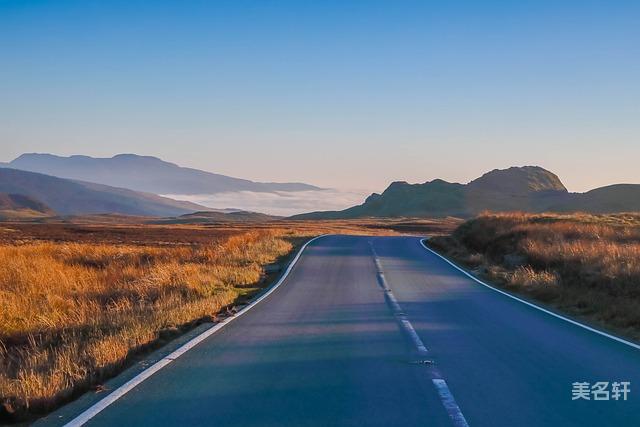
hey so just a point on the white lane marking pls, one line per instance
(414, 336)
(566, 319)
(397, 309)
(445, 395)
(129, 385)
(395, 306)
(449, 403)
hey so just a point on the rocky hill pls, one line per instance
(527, 189)
(21, 206)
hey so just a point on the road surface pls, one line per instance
(420, 344)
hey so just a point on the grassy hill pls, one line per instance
(211, 217)
(585, 265)
(18, 206)
(69, 197)
(609, 199)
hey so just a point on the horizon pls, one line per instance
(372, 190)
(339, 95)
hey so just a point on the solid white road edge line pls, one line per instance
(566, 319)
(132, 383)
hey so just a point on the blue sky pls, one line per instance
(348, 94)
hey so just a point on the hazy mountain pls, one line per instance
(144, 173)
(528, 188)
(21, 206)
(77, 197)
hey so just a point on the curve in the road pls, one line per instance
(530, 304)
(101, 405)
(327, 347)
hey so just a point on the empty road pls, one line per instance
(378, 331)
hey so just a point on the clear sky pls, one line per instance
(348, 94)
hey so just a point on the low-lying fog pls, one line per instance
(280, 203)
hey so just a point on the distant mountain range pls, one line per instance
(68, 197)
(144, 173)
(528, 188)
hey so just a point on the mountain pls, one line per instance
(69, 197)
(144, 173)
(527, 188)
(609, 199)
(21, 206)
(435, 198)
(518, 180)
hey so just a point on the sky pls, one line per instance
(342, 94)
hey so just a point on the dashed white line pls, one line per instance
(445, 395)
(449, 403)
(414, 337)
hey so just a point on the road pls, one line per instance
(338, 344)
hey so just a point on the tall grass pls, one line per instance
(587, 265)
(72, 314)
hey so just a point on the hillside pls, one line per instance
(518, 180)
(19, 206)
(144, 173)
(436, 198)
(609, 199)
(212, 217)
(68, 197)
(527, 189)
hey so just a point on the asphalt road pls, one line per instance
(332, 347)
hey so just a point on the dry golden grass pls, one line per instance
(79, 301)
(71, 314)
(136, 231)
(587, 265)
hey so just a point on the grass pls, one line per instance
(80, 301)
(585, 265)
(73, 314)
